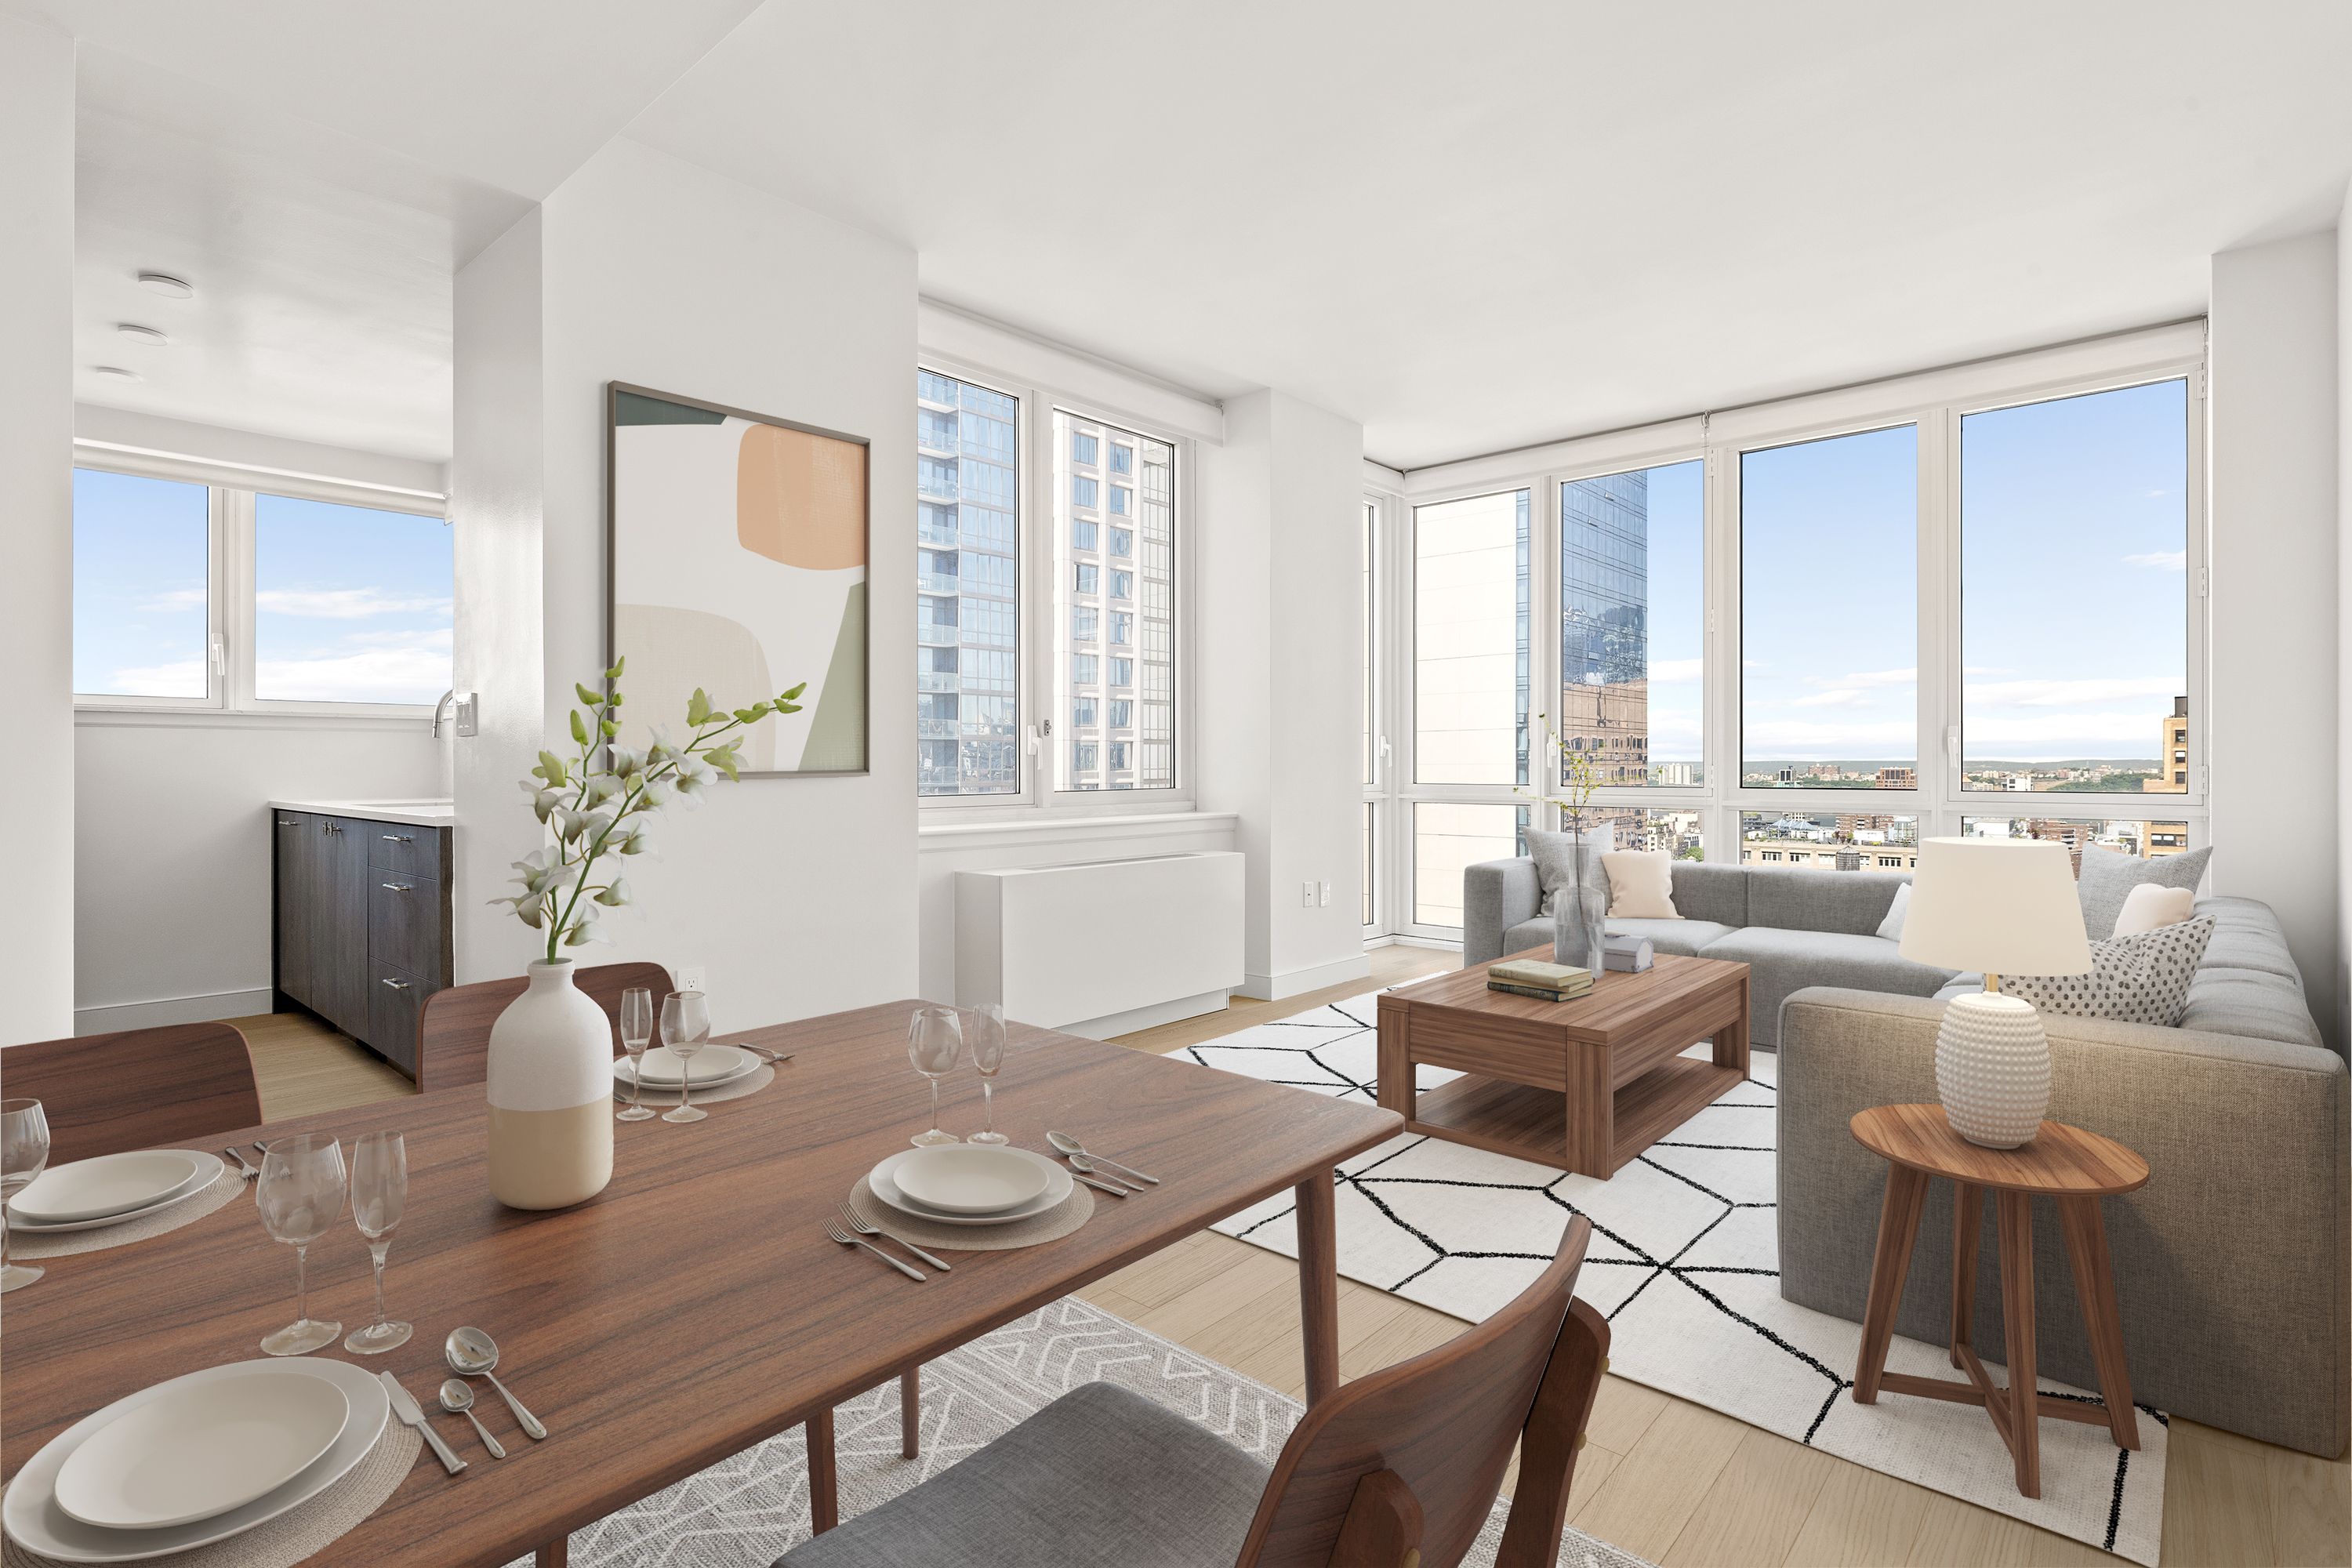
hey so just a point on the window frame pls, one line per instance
(231, 620)
(1039, 684)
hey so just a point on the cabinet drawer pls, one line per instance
(396, 998)
(402, 846)
(405, 922)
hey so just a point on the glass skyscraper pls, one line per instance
(968, 578)
(1604, 643)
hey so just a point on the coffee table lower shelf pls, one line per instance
(1533, 1123)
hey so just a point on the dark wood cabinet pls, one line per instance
(362, 924)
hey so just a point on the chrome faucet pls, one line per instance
(441, 709)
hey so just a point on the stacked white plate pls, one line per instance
(665, 1070)
(194, 1460)
(111, 1189)
(969, 1183)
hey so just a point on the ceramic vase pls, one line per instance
(1578, 926)
(551, 1095)
(1992, 1069)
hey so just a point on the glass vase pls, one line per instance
(1578, 924)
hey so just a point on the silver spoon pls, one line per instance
(473, 1353)
(1088, 1168)
(1066, 1145)
(458, 1398)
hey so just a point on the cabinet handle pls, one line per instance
(398, 984)
(398, 838)
(392, 887)
(287, 821)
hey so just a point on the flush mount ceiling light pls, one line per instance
(163, 283)
(117, 372)
(139, 334)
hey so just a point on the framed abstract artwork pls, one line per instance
(736, 560)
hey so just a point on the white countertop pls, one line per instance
(416, 813)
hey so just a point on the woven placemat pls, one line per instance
(750, 1083)
(1052, 1225)
(25, 1247)
(298, 1533)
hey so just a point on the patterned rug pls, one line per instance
(1684, 1262)
(746, 1512)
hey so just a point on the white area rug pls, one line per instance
(1684, 1262)
(748, 1511)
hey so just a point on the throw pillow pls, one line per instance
(1556, 863)
(1641, 885)
(2148, 906)
(2140, 979)
(1891, 928)
(2108, 875)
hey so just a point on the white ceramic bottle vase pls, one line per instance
(551, 1095)
(1992, 1069)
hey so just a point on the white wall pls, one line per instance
(2343, 972)
(1280, 668)
(2274, 485)
(37, 255)
(796, 895)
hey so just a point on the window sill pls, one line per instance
(1052, 827)
(126, 717)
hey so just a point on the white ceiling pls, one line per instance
(1471, 227)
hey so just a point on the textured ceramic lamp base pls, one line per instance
(1993, 1070)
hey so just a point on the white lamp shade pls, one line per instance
(2004, 906)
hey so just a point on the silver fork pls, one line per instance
(248, 1166)
(849, 1217)
(832, 1229)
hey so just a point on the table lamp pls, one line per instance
(2004, 906)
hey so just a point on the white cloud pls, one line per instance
(1984, 669)
(411, 674)
(1860, 738)
(2162, 560)
(1839, 697)
(1871, 678)
(1677, 670)
(342, 604)
(175, 599)
(1997, 694)
(182, 678)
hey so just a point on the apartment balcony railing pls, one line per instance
(939, 582)
(936, 728)
(938, 681)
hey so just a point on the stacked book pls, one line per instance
(1549, 982)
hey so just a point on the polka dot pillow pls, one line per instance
(2141, 979)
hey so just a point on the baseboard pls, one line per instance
(1149, 1017)
(1298, 982)
(1440, 943)
(172, 1010)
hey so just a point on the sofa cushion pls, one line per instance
(1684, 937)
(2251, 1004)
(1852, 902)
(2108, 875)
(1781, 961)
(1705, 892)
(1641, 884)
(2139, 979)
(2240, 942)
(1555, 857)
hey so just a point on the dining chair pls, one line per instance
(453, 1031)
(1396, 1468)
(136, 1089)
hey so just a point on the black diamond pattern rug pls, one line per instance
(1684, 1262)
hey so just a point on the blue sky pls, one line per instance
(1677, 618)
(139, 586)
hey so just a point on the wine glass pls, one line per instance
(379, 1192)
(934, 1041)
(637, 1034)
(300, 1196)
(24, 1150)
(988, 1055)
(685, 1025)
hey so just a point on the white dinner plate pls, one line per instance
(882, 1179)
(200, 1449)
(713, 1065)
(208, 1170)
(108, 1184)
(30, 1514)
(971, 1178)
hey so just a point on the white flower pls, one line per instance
(615, 896)
(693, 777)
(542, 801)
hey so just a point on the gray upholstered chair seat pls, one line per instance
(1783, 962)
(1099, 1475)
(1684, 937)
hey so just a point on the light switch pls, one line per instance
(469, 713)
(1306, 895)
(1325, 895)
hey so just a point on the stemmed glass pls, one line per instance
(300, 1196)
(934, 1041)
(637, 1034)
(685, 1025)
(379, 1192)
(987, 1055)
(24, 1151)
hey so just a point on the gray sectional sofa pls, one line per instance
(2233, 1265)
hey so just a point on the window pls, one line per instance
(1122, 584)
(1633, 625)
(1470, 642)
(1082, 712)
(1831, 841)
(2140, 839)
(1122, 502)
(1088, 579)
(142, 588)
(966, 618)
(1829, 701)
(351, 604)
(1122, 712)
(1447, 839)
(1676, 833)
(1371, 839)
(1150, 628)
(1370, 543)
(1122, 458)
(1083, 450)
(2061, 688)
(1085, 492)
(1082, 756)
(1120, 751)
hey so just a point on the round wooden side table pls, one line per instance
(2074, 1168)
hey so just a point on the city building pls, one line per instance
(1604, 659)
(967, 497)
(2172, 759)
(1898, 778)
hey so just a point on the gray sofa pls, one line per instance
(2233, 1265)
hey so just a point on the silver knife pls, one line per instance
(405, 1406)
(1116, 1192)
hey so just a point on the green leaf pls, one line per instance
(795, 691)
(587, 697)
(788, 707)
(616, 700)
(608, 728)
(698, 708)
(744, 716)
(553, 769)
(618, 665)
(579, 728)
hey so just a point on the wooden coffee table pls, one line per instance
(1584, 1085)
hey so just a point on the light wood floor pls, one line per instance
(1675, 1482)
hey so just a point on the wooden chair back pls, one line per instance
(1403, 1466)
(136, 1089)
(453, 1032)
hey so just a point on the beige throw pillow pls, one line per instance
(1641, 884)
(2147, 906)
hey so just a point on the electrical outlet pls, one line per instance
(469, 715)
(1306, 895)
(689, 977)
(1323, 895)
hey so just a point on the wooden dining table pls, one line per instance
(695, 1306)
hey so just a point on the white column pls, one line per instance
(36, 258)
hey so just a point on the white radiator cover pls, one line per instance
(1104, 947)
